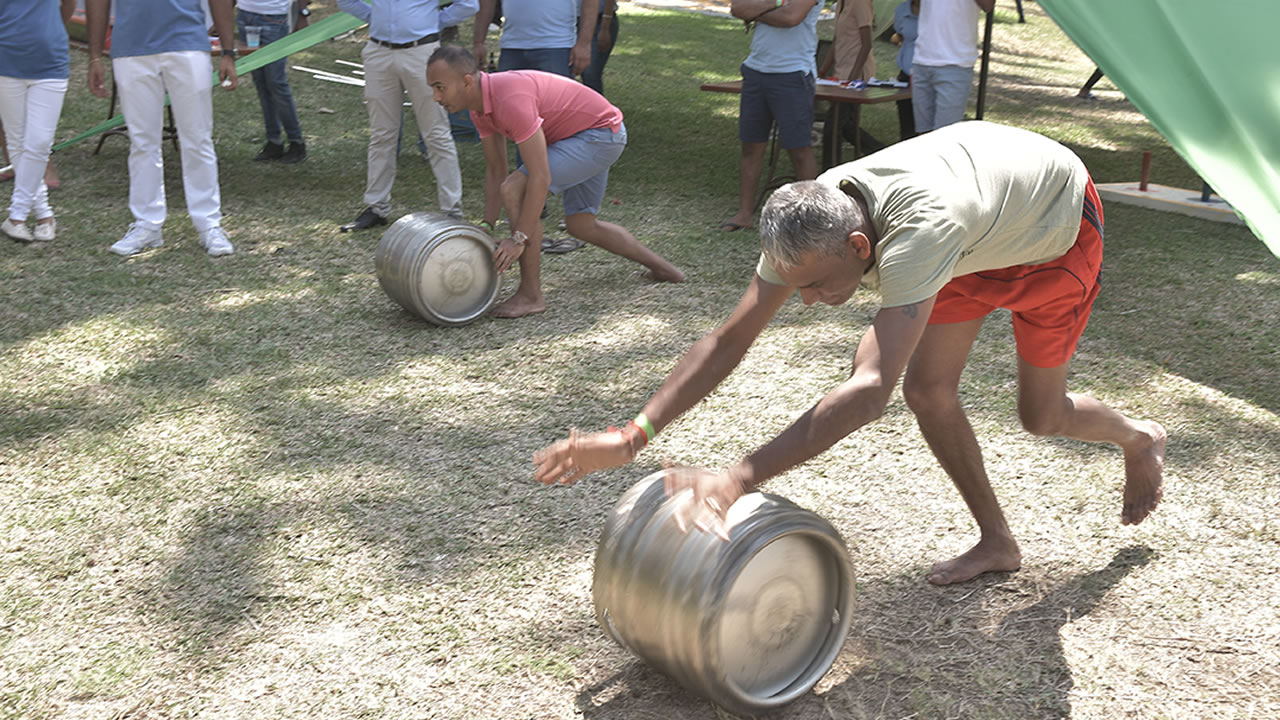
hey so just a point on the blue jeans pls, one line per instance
(939, 94)
(272, 81)
(593, 76)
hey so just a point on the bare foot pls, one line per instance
(673, 275)
(1144, 476)
(518, 306)
(989, 555)
(735, 223)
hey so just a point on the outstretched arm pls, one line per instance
(881, 359)
(707, 363)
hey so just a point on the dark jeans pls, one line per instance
(593, 76)
(552, 60)
(272, 81)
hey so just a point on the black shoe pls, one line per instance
(270, 151)
(296, 153)
(364, 221)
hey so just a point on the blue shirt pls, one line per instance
(908, 26)
(784, 50)
(402, 21)
(33, 40)
(149, 27)
(540, 24)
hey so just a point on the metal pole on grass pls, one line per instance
(986, 61)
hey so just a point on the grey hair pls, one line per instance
(804, 217)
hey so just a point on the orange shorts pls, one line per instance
(1050, 301)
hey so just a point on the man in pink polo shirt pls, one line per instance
(568, 136)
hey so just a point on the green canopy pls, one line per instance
(1207, 76)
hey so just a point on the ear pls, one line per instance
(860, 244)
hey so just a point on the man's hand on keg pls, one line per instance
(509, 250)
(704, 497)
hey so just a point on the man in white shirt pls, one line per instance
(942, 67)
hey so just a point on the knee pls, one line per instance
(580, 225)
(1040, 420)
(928, 398)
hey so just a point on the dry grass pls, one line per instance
(254, 488)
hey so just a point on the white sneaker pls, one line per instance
(139, 237)
(46, 232)
(17, 231)
(215, 241)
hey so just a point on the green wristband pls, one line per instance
(646, 426)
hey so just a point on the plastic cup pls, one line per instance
(252, 35)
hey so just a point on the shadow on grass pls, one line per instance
(919, 652)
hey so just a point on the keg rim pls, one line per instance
(821, 531)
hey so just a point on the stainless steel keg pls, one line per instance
(438, 268)
(752, 623)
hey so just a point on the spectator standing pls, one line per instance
(549, 35)
(906, 28)
(777, 86)
(852, 61)
(402, 36)
(34, 68)
(280, 114)
(606, 35)
(942, 65)
(850, 54)
(161, 47)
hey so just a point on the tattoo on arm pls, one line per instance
(910, 311)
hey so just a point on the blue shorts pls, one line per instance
(580, 167)
(786, 98)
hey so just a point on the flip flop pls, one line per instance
(560, 246)
(731, 226)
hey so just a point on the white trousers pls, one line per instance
(388, 75)
(143, 82)
(29, 110)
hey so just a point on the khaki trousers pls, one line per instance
(388, 75)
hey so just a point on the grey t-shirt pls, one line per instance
(965, 198)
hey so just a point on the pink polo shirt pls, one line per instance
(518, 102)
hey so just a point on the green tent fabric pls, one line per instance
(313, 34)
(1207, 76)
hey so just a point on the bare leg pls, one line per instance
(528, 298)
(931, 390)
(751, 162)
(1046, 408)
(804, 163)
(51, 180)
(617, 240)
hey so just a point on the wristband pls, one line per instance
(643, 423)
(519, 238)
(231, 53)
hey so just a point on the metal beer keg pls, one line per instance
(438, 268)
(752, 623)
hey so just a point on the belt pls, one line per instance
(412, 43)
